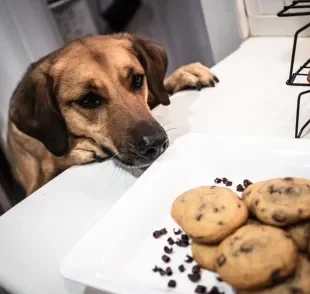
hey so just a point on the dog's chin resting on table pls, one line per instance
(90, 100)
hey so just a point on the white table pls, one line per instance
(251, 99)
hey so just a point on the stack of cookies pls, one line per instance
(259, 243)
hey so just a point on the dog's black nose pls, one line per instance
(151, 140)
(153, 146)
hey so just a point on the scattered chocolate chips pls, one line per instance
(155, 269)
(219, 279)
(247, 183)
(220, 223)
(184, 237)
(215, 290)
(170, 241)
(172, 284)
(221, 260)
(169, 271)
(189, 259)
(161, 272)
(177, 232)
(224, 180)
(163, 231)
(228, 183)
(196, 269)
(182, 243)
(200, 289)
(182, 268)
(168, 250)
(198, 217)
(240, 188)
(194, 277)
(156, 234)
(165, 258)
(217, 181)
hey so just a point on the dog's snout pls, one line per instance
(151, 140)
(153, 146)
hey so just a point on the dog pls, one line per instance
(91, 100)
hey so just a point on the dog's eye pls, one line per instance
(137, 81)
(90, 100)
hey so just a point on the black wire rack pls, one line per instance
(297, 8)
(299, 77)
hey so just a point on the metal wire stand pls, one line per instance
(298, 78)
(299, 4)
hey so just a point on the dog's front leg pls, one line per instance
(190, 76)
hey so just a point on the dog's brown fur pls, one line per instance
(49, 131)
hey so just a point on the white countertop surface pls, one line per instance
(251, 99)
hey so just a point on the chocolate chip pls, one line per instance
(300, 211)
(215, 290)
(182, 243)
(294, 290)
(219, 279)
(169, 271)
(172, 284)
(217, 181)
(168, 250)
(246, 183)
(156, 234)
(184, 237)
(155, 269)
(256, 202)
(224, 180)
(189, 259)
(182, 268)
(240, 188)
(170, 241)
(276, 276)
(213, 187)
(228, 183)
(198, 217)
(215, 210)
(161, 272)
(194, 277)
(196, 269)
(163, 231)
(165, 258)
(221, 260)
(220, 223)
(279, 217)
(288, 179)
(177, 232)
(200, 289)
(246, 248)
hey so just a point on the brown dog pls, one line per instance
(91, 100)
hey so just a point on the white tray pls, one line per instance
(118, 254)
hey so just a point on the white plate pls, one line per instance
(118, 254)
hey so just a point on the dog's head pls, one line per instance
(98, 88)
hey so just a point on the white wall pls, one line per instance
(223, 26)
(263, 19)
(27, 32)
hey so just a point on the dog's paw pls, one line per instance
(190, 76)
(85, 151)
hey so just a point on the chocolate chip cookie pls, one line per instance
(300, 234)
(298, 283)
(279, 202)
(256, 256)
(205, 255)
(210, 213)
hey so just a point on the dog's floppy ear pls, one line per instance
(154, 60)
(34, 111)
